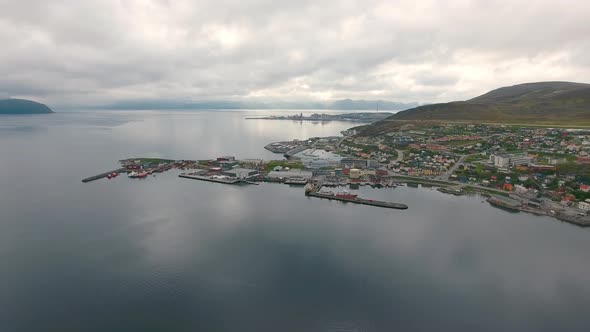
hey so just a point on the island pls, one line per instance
(23, 106)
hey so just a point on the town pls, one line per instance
(545, 171)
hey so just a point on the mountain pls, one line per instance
(22, 106)
(345, 104)
(529, 103)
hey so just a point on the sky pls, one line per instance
(92, 52)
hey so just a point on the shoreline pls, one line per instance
(444, 187)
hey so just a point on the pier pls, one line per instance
(210, 179)
(314, 191)
(390, 205)
(104, 175)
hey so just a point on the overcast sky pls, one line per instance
(88, 52)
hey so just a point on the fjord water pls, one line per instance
(168, 254)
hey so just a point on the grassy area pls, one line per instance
(540, 124)
(283, 163)
(483, 190)
(476, 157)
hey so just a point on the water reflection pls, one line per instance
(173, 254)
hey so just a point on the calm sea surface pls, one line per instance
(169, 254)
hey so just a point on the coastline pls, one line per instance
(450, 188)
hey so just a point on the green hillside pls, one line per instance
(530, 103)
(22, 106)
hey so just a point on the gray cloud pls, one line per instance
(91, 52)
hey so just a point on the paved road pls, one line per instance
(446, 175)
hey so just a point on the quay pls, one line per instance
(210, 179)
(314, 191)
(390, 205)
(296, 181)
(516, 205)
(104, 175)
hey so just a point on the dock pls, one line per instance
(104, 175)
(390, 205)
(210, 179)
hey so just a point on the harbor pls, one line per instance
(346, 197)
(216, 179)
(293, 172)
(227, 170)
(104, 175)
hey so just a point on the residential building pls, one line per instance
(500, 160)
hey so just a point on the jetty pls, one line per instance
(390, 205)
(314, 191)
(103, 175)
(224, 180)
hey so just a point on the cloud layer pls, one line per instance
(92, 52)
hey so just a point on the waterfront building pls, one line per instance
(354, 173)
(240, 173)
(584, 205)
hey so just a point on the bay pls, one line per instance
(169, 254)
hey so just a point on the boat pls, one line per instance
(136, 175)
(346, 195)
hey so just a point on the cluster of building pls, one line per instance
(424, 163)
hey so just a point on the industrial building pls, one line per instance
(240, 173)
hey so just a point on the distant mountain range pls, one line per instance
(523, 103)
(22, 106)
(345, 104)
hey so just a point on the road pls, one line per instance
(446, 175)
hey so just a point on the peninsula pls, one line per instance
(23, 106)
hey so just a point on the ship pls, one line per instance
(136, 175)
(346, 195)
(112, 175)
